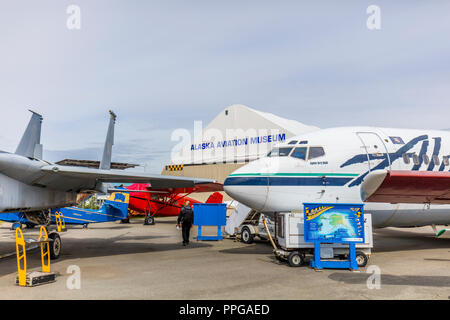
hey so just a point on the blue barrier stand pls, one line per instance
(317, 263)
(210, 214)
(347, 217)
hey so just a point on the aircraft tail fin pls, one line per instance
(117, 205)
(122, 197)
(105, 164)
(216, 197)
(30, 145)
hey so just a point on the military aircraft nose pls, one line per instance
(247, 186)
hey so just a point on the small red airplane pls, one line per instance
(167, 202)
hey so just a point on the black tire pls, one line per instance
(246, 236)
(127, 220)
(361, 259)
(55, 245)
(30, 225)
(296, 259)
(149, 220)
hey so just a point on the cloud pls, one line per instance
(162, 65)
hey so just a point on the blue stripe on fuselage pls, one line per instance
(286, 181)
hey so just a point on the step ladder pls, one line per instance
(31, 279)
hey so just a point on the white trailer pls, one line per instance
(253, 227)
(293, 248)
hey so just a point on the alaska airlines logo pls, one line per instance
(314, 213)
(384, 163)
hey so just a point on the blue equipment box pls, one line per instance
(210, 214)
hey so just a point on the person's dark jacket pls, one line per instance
(186, 215)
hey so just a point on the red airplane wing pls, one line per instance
(406, 187)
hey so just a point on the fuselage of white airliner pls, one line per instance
(328, 166)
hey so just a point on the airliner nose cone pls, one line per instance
(247, 186)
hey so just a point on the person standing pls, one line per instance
(185, 221)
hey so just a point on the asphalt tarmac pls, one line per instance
(133, 261)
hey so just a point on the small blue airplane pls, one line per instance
(115, 208)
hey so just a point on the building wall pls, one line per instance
(218, 172)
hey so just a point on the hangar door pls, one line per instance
(376, 150)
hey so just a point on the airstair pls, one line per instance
(237, 217)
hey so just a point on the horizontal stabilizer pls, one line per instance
(30, 144)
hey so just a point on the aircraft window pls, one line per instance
(280, 152)
(293, 142)
(436, 160)
(426, 159)
(406, 158)
(446, 161)
(299, 153)
(416, 159)
(315, 152)
(303, 142)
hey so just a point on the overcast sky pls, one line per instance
(160, 65)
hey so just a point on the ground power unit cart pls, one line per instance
(293, 248)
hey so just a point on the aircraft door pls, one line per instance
(376, 150)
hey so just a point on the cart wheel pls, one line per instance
(246, 236)
(55, 245)
(296, 259)
(361, 259)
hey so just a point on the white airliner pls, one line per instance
(329, 166)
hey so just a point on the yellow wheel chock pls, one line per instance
(45, 254)
(22, 256)
(60, 223)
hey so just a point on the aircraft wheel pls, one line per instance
(127, 220)
(361, 259)
(296, 259)
(149, 220)
(16, 225)
(55, 245)
(246, 236)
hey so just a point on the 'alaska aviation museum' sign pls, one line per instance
(239, 142)
(334, 223)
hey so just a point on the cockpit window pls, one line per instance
(299, 153)
(315, 152)
(293, 142)
(280, 152)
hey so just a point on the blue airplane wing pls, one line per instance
(115, 208)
